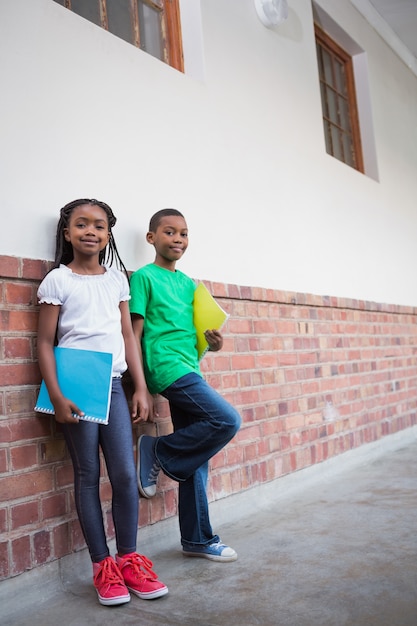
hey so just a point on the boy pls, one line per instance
(162, 315)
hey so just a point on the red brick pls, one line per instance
(13, 430)
(41, 547)
(4, 464)
(287, 358)
(105, 491)
(240, 326)
(247, 396)
(3, 520)
(268, 393)
(109, 524)
(24, 485)
(219, 460)
(19, 293)
(21, 401)
(4, 560)
(22, 374)
(61, 541)
(78, 542)
(264, 326)
(170, 502)
(23, 321)
(64, 475)
(144, 512)
(24, 514)
(242, 362)
(54, 450)
(24, 456)
(21, 555)
(250, 452)
(54, 506)
(234, 455)
(17, 347)
(264, 361)
(9, 266)
(35, 268)
(157, 509)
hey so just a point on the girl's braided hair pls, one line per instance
(63, 251)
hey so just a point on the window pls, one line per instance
(152, 25)
(338, 97)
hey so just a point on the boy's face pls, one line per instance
(170, 240)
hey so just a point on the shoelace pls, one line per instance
(153, 474)
(109, 574)
(217, 545)
(142, 567)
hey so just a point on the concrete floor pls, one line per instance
(332, 545)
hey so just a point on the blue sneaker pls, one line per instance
(217, 551)
(148, 467)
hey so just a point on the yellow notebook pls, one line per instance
(208, 314)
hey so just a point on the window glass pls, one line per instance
(119, 19)
(150, 30)
(90, 9)
(339, 75)
(332, 105)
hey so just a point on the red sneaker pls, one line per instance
(109, 583)
(139, 578)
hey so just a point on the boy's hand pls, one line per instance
(140, 406)
(153, 402)
(214, 339)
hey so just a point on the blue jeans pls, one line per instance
(204, 423)
(115, 439)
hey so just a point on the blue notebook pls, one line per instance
(84, 377)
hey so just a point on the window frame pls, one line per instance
(171, 35)
(324, 41)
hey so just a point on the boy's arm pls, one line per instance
(140, 402)
(137, 325)
(48, 321)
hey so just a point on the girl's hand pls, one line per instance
(66, 412)
(140, 406)
(214, 339)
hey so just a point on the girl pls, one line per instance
(84, 304)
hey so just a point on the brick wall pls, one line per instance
(312, 377)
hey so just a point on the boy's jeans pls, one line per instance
(204, 423)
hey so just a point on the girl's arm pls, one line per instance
(140, 399)
(48, 321)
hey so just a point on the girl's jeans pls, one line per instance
(203, 424)
(115, 439)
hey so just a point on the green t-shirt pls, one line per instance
(165, 301)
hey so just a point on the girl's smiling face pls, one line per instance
(88, 230)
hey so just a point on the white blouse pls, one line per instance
(90, 316)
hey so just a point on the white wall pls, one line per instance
(239, 149)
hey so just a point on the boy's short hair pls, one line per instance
(156, 218)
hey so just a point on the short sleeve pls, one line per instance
(124, 288)
(51, 289)
(139, 290)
